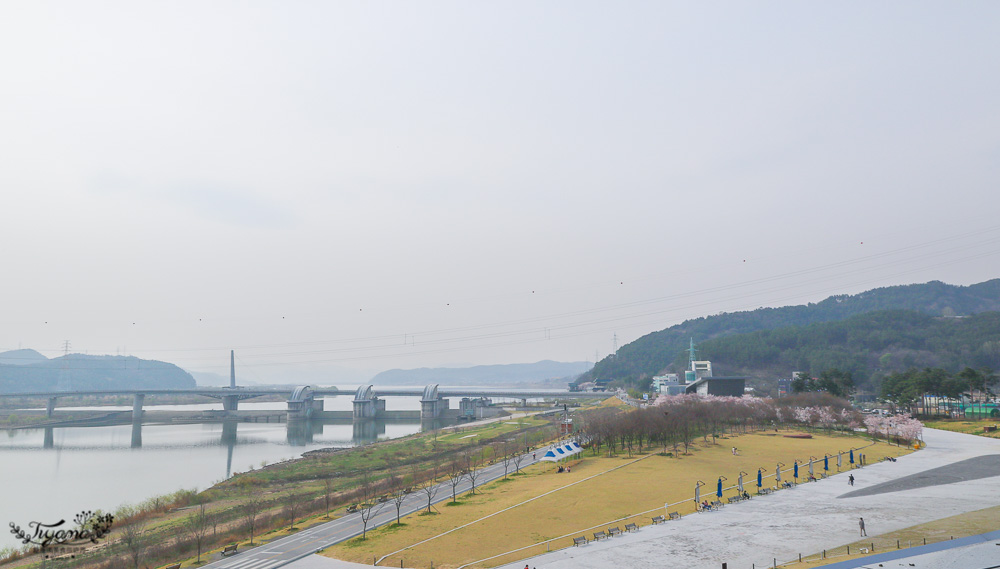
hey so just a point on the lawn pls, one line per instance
(967, 427)
(597, 491)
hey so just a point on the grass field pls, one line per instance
(967, 427)
(597, 491)
(962, 525)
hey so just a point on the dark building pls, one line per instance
(731, 386)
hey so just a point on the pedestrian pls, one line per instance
(850, 480)
(861, 524)
(533, 458)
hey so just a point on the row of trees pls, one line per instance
(907, 389)
(675, 421)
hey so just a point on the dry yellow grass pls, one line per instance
(644, 483)
(962, 525)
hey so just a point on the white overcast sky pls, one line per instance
(337, 188)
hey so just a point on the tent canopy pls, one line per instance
(560, 452)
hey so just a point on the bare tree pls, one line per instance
(196, 525)
(456, 472)
(134, 537)
(327, 493)
(399, 493)
(505, 456)
(517, 457)
(429, 485)
(472, 460)
(370, 505)
(293, 504)
(252, 507)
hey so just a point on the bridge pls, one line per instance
(306, 401)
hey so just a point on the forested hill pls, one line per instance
(869, 346)
(658, 352)
(84, 372)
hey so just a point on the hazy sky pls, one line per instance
(337, 188)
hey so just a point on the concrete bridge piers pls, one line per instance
(367, 405)
(137, 406)
(230, 402)
(50, 407)
(432, 405)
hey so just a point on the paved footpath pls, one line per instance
(805, 519)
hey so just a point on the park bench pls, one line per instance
(765, 491)
(631, 527)
(734, 499)
(614, 531)
(230, 549)
(674, 515)
(717, 504)
(989, 428)
(174, 566)
(352, 508)
(580, 541)
(659, 520)
(599, 535)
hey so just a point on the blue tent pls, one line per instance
(795, 472)
(718, 491)
(826, 462)
(759, 479)
(852, 456)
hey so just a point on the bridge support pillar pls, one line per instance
(51, 407)
(230, 402)
(368, 408)
(137, 406)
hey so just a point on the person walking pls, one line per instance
(861, 524)
(850, 480)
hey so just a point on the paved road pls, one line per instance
(306, 542)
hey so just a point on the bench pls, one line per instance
(765, 491)
(580, 541)
(599, 535)
(614, 531)
(174, 566)
(631, 527)
(659, 520)
(734, 499)
(989, 429)
(230, 549)
(674, 515)
(717, 504)
(352, 508)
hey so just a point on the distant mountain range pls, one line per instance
(27, 370)
(550, 373)
(664, 350)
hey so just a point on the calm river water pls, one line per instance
(91, 468)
